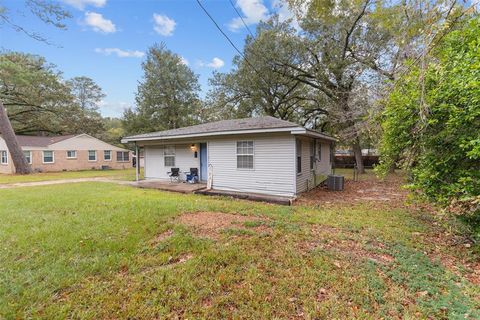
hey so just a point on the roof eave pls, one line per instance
(313, 134)
(209, 134)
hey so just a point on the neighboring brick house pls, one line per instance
(62, 153)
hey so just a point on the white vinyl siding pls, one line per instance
(48, 156)
(274, 170)
(321, 166)
(3, 157)
(155, 164)
(71, 154)
(274, 167)
(324, 165)
(28, 156)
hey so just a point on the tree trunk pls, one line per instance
(357, 151)
(16, 153)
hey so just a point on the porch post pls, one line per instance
(137, 166)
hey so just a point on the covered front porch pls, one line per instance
(173, 160)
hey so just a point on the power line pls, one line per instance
(241, 18)
(220, 29)
(230, 41)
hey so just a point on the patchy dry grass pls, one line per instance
(104, 251)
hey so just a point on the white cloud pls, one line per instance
(163, 25)
(120, 53)
(253, 10)
(184, 61)
(216, 63)
(99, 23)
(284, 12)
(113, 109)
(81, 4)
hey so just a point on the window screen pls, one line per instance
(245, 154)
(169, 156)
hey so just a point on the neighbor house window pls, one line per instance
(28, 156)
(3, 157)
(299, 156)
(245, 154)
(123, 156)
(312, 155)
(71, 154)
(92, 155)
(107, 155)
(169, 156)
(48, 157)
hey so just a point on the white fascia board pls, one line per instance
(209, 134)
(310, 133)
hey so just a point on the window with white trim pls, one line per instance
(245, 154)
(3, 157)
(28, 156)
(169, 156)
(107, 155)
(71, 154)
(92, 155)
(299, 155)
(123, 156)
(48, 156)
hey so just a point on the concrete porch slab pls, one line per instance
(181, 187)
(248, 196)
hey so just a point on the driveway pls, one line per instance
(62, 181)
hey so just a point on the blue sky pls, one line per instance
(106, 39)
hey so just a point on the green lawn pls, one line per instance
(127, 174)
(93, 251)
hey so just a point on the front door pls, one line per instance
(203, 162)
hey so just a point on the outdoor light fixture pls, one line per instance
(193, 147)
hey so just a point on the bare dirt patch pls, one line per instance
(386, 192)
(161, 237)
(347, 244)
(211, 224)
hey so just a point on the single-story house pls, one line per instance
(262, 155)
(67, 152)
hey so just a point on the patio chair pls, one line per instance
(192, 176)
(174, 175)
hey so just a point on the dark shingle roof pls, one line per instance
(38, 141)
(222, 126)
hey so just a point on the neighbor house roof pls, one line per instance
(224, 127)
(39, 141)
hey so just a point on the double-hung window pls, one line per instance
(245, 154)
(122, 156)
(107, 155)
(71, 154)
(169, 156)
(92, 155)
(48, 156)
(3, 157)
(299, 155)
(28, 156)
